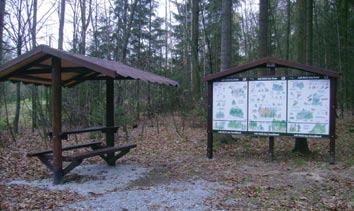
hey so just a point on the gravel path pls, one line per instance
(92, 179)
(113, 188)
(174, 196)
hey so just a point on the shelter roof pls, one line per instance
(34, 67)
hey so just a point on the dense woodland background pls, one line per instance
(197, 38)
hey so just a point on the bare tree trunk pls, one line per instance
(7, 114)
(304, 51)
(2, 14)
(2, 87)
(34, 89)
(263, 28)
(84, 24)
(226, 42)
(288, 7)
(18, 84)
(75, 22)
(148, 65)
(301, 30)
(309, 32)
(127, 33)
(343, 55)
(18, 107)
(195, 45)
(61, 25)
(166, 35)
(226, 34)
(207, 42)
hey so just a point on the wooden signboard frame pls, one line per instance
(273, 63)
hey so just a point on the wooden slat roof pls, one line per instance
(34, 67)
(271, 62)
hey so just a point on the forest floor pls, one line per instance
(169, 171)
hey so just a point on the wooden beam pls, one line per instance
(65, 148)
(80, 78)
(56, 122)
(107, 78)
(32, 82)
(30, 78)
(271, 149)
(24, 68)
(14, 80)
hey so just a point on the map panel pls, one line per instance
(230, 106)
(272, 106)
(267, 106)
(308, 106)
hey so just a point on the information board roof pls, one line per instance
(271, 62)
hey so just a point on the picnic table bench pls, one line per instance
(108, 153)
(64, 135)
(101, 152)
(65, 148)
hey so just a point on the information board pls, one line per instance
(308, 110)
(272, 106)
(230, 105)
(267, 106)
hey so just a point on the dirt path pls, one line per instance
(167, 171)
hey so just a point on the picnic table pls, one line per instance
(75, 159)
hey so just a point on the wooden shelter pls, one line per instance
(274, 64)
(51, 67)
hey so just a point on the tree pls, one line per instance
(2, 14)
(263, 28)
(195, 46)
(61, 25)
(19, 45)
(288, 18)
(226, 41)
(85, 21)
(342, 13)
(127, 30)
(304, 51)
(34, 89)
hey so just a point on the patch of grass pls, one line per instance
(25, 113)
(222, 139)
(3, 124)
(349, 163)
(299, 161)
(247, 146)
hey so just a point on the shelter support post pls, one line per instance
(271, 148)
(110, 159)
(56, 121)
(210, 121)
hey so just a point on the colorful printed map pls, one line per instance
(272, 106)
(308, 110)
(230, 106)
(267, 106)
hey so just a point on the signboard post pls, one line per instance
(210, 121)
(298, 106)
(333, 104)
